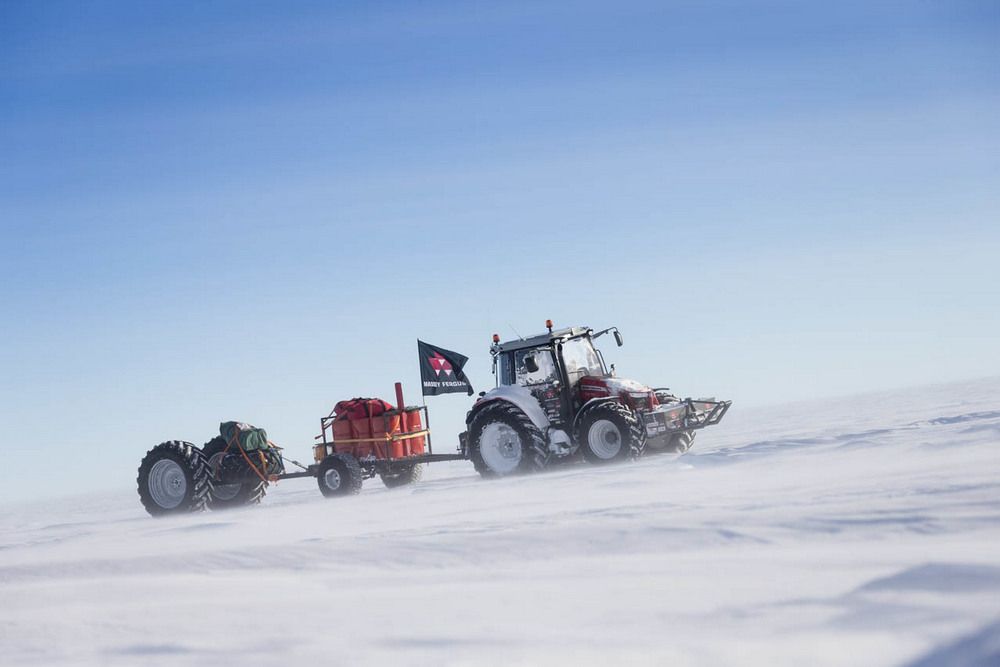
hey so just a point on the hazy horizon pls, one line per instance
(250, 211)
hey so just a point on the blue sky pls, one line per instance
(248, 211)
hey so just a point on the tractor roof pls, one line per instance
(544, 339)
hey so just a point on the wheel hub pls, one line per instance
(604, 439)
(332, 479)
(222, 491)
(167, 483)
(501, 449)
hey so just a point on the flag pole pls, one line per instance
(423, 396)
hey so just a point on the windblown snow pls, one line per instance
(859, 531)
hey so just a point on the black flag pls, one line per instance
(441, 370)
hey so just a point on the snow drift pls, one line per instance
(857, 531)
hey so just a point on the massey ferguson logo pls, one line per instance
(441, 370)
(439, 363)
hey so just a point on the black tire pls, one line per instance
(225, 496)
(409, 475)
(675, 443)
(681, 442)
(339, 475)
(531, 455)
(609, 432)
(174, 478)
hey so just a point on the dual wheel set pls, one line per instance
(177, 477)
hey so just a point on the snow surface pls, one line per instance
(861, 531)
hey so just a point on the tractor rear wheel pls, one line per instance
(174, 478)
(406, 476)
(609, 432)
(339, 475)
(225, 496)
(503, 441)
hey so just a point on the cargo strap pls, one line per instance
(263, 462)
(388, 437)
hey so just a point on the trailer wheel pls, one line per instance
(503, 441)
(225, 496)
(339, 475)
(609, 432)
(174, 478)
(408, 475)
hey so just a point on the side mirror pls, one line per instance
(531, 364)
(618, 338)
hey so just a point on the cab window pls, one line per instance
(546, 371)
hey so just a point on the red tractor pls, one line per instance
(556, 399)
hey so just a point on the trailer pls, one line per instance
(236, 467)
(394, 445)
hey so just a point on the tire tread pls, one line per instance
(196, 465)
(537, 457)
(637, 433)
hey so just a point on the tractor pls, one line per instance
(557, 400)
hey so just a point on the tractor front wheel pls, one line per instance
(174, 478)
(609, 432)
(339, 475)
(681, 442)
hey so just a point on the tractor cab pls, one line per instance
(560, 368)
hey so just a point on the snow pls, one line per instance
(618, 385)
(863, 530)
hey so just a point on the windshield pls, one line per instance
(581, 359)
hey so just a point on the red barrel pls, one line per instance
(414, 422)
